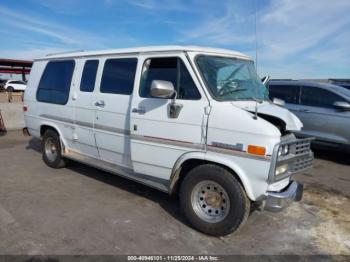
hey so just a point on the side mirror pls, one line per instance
(162, 89)
(265, 80)
(279, 102)
(345, 106)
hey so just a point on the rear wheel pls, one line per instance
(213, 201)
(51, 149)
(10, 89)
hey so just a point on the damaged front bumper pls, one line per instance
(290, 156)
(277, 201)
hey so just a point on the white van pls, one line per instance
(190, 121)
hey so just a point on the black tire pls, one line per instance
(10, 89)
(54, 160)
(238, 211)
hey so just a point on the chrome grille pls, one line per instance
(301, 164)
(299, 158)
(302, 147)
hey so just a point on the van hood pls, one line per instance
(268, 108)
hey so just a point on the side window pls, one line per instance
(288, 93)
(88, 77)
(118, 76)
(168, 69)
(17, 82)
(55, 82)
(314, 96)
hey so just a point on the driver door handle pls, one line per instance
(138, 110)
(304, 110)
(100, 103)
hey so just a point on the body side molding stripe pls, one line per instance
(167, 141)
(164, 141)
(87, 124)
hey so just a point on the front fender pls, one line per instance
(175, 173)
(252, 173)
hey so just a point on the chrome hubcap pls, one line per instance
(50, 149)
(210, 201)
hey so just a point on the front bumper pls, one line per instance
(276, 201)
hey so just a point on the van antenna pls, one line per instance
(256, 36)
(256, 56)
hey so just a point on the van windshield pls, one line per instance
(230, 79)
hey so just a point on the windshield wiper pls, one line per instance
(252, 98)
(234, 91)
(260, 101)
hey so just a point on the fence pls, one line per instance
(11, 111)
(11, 97)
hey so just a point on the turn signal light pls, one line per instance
(256, 150)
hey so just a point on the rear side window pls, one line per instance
(170, 69)
(289, 93)
(88, 78)
(118, 76)
(55, 82)
(18, 82)
(318, 97)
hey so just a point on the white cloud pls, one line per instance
(336, 52)
(20, 20)
(227, 29)
(289, 27)
(60, 34)
(29, 54)
(154, 5)
(65, 7)
(296, 38)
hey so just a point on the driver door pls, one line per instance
(157, 138)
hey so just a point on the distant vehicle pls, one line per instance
(345, 85)
(323, 108)
(340, 82)
(15, 85)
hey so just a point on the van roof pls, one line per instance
(146, 49)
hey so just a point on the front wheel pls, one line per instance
(213, 201)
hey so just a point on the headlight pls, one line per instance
(281, 169)
(283, 150)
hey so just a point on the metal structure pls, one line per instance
(2, 125)
(14, 66)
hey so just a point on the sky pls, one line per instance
(293, 38)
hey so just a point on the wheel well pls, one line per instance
(44, 128)
(189, 164)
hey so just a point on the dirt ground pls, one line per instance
(81, 210)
